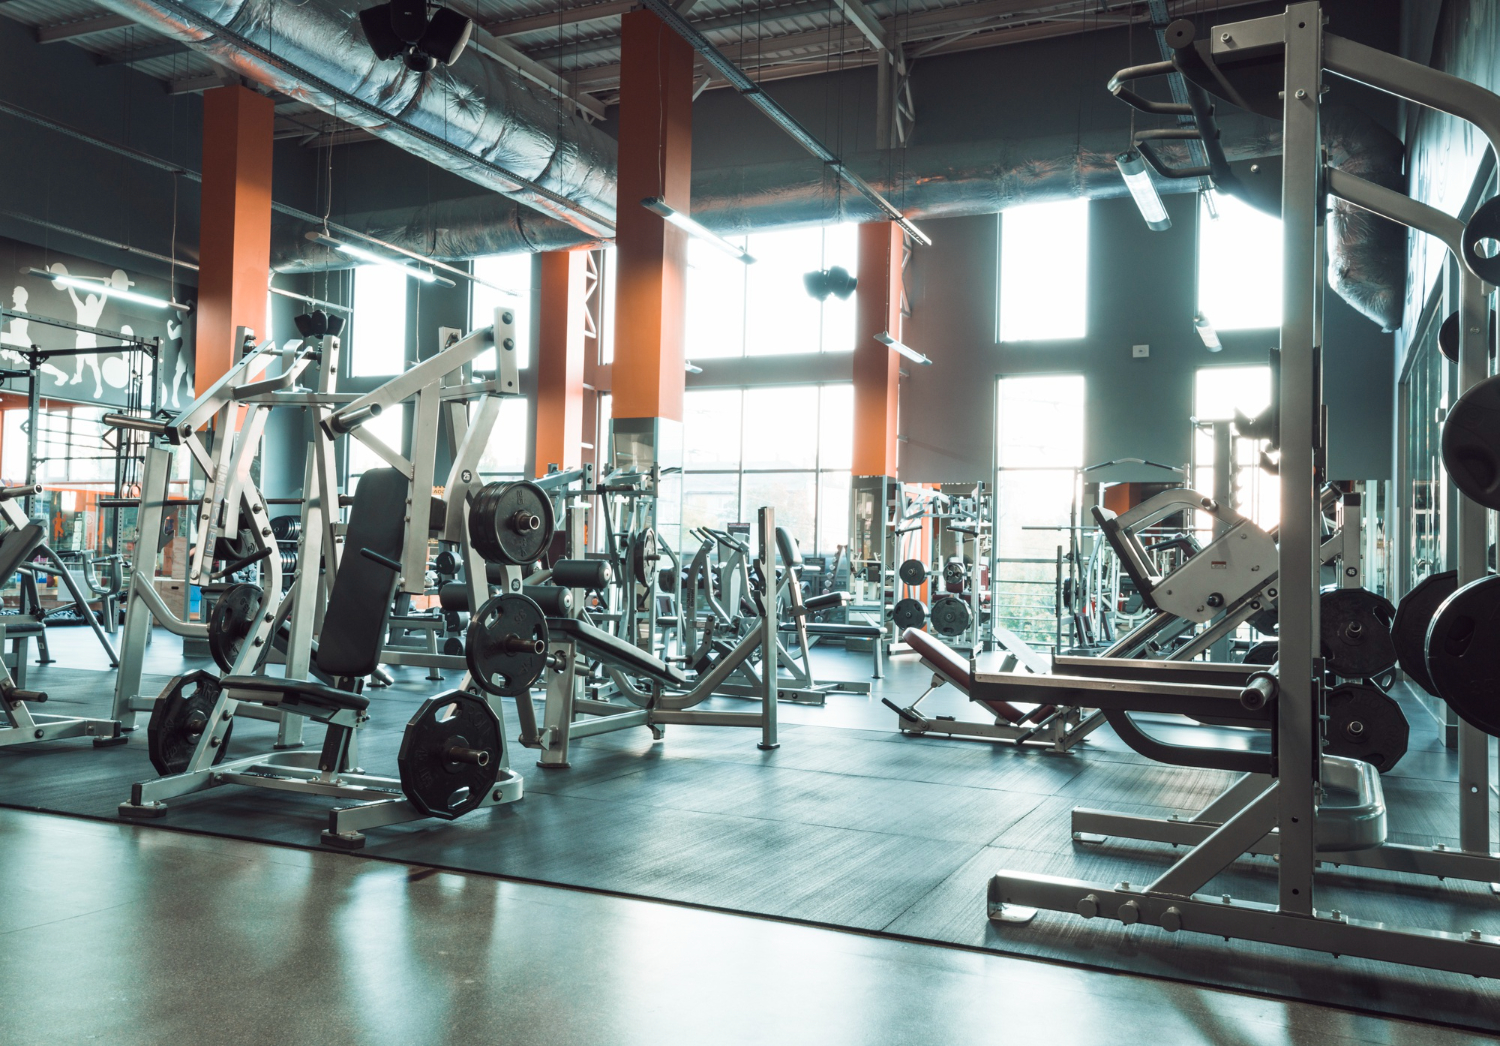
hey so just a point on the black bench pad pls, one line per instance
(615, 650)
(307, 691)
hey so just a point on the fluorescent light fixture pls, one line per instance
(1138, 181)
(108, 289)
(884, 337)
(371, 258)
(1207, 333)
(657, 205)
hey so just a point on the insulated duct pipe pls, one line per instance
(475, 118)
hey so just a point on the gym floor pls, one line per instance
(134, 934)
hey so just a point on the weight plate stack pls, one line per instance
(506, 645)
(909, 613)
(912, 572)
(511, 523)
(1471, 443)
(1463, 653)
(450, 754)
(1263, 653)
(1366, 723)
(643, 556)
(178, 720)
(232, 620)
(286, 528)
(951, 616)
(1414, 616)
(1356, 632)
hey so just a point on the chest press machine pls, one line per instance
(1302, 805)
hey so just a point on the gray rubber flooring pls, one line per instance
(848, 825)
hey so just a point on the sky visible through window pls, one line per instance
(1044, 259)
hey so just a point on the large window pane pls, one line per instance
(709, 499)
(512, 273)
(505, 455)
(1239, 266)
(781, 427)
(716, 303)
(1217, 393)
(840, 247)
(387, 427)
(833, 511)
(836, 427)
(794, 497)
(711, 429)
(377, 344)
(1044, 253)
(780, 316)
(1041, 421)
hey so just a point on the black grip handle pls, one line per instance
(385, 561)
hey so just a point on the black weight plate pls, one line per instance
(1262, 653)
(511, 522)
(643, 556)
(178, 719)
(1471, 443)
(909, 613)
(1356, 628)
(450, 754)
(1265, 621)
(286, 528)
(912, 572)
(954, 572)
(1483, 226)
(233, 619)
(1364, 723)
(1463, 653)
(1414, 616)
(950, 616)
(506, 645)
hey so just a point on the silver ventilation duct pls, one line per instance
(477, 118)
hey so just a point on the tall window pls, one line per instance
(377, 346)
(785, 446)
(763, 309)
(1044, 261)
(512, 274)
(389, 427)
(1217, 393)
(1239, 265)
(1039, 452)
(505, 455)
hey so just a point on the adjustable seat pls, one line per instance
(613, 649)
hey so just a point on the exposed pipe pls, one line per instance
(475, 118)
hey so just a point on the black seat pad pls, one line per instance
(305, 691)
(854, 631)
(615, 650)
(21, 625)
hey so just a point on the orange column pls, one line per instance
(234, 253)
(877, 368)
(559, 365)
(655, 159)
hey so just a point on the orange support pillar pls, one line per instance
(877, 368)
(234, 254)
(559, 365)
(655, 159)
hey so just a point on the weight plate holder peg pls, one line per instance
(909, 613)
(1463, 653)
(1471, 443)
(511, 523)
(506, 645)
(451, 754)
(178, 720)
(1414, 616)
(1356, 632)
(912, 572)
(232, 621)
(951, 616)
(1365, 723)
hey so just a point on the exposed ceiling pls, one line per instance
(573, 49)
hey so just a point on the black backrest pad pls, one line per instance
(360, 605)
(16, 546)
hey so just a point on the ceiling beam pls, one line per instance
(207, 82)
(556, 19)
(163, 49)
(543, 76)
(52, 34)
(866, 22)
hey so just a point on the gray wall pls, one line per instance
(1141, 291)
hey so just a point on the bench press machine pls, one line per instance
(1303, 802)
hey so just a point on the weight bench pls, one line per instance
(673, 693)
(1055, 725)
(21, 725)
(192, 719)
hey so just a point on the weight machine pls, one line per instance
(946, 541)
(1303, 805)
